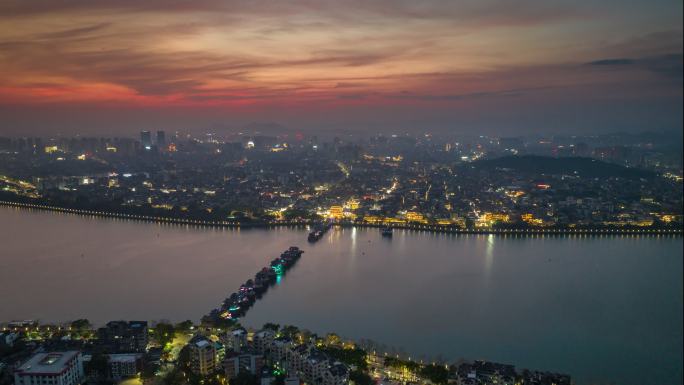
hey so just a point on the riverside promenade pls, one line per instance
(407, 226)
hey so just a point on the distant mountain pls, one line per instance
(268, 128)
(584, 167)
(249, 129)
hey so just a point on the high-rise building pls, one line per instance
(146, 139)
(161, 139)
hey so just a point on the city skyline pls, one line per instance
(341, 192)
(459, 68)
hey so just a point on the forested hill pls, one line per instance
(584, 167)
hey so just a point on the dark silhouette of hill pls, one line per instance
(584, 167)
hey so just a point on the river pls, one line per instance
(605, 309)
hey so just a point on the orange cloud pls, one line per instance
(234, 53)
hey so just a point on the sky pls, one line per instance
(503, 67)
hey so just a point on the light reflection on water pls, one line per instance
(603, 308)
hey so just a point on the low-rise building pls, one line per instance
(54, 368)
(280, 348)
(246, 361)
(125, 365)
(267, 377)
(234, 340)
(202, 356)
(263, 340)
(124, 337)
(316, 367)
(337, 374)
(8, 338)
(220, 352)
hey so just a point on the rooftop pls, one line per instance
(48, 363)
(124, 357)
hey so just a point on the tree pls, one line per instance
(175, 377)
(290, 331)
(81, 324)
(184, 358)
(307, 335)
(184, 326)
(98, 366)
(271, 326)
(164, 333)
(332, 339)
(438, 374)
(81, 328)
(149, 371)
(279, 380)
(360, 378)
(244, 378)
(355, 357)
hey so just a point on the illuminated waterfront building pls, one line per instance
(530, 219)
(336, 212)
(352, 204)
(413, 216)
(488, 219)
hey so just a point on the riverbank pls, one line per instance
(420, 227)
(599, 290)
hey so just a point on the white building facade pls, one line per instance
(55, 368)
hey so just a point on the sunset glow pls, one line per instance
(252, 59)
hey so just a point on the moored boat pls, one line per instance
(237, 303)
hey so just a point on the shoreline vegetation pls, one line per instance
(604, 230)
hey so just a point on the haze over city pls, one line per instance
(494, 67)
(341, 192)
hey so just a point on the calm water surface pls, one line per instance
(604, 309)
